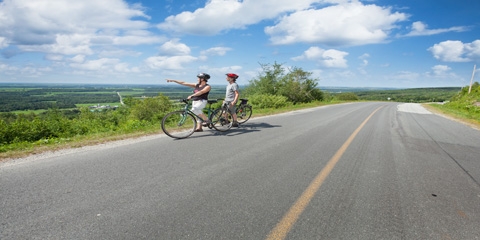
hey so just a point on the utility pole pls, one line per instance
(471, 80)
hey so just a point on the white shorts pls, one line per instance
(198, 106)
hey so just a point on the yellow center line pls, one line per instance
(283, 227)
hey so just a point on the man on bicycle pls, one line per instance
(231, 96)
(199, 96)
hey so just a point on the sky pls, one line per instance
(343, 43)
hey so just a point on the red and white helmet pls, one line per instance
(232, 75)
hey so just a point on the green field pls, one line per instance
(27, 98)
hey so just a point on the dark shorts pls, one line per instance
(231, 109)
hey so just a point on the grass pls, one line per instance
(454, 114)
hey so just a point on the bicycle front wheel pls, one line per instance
(244, 112)
(179, 124)
(221, 120)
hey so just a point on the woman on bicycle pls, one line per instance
(199, 96)
(231, 96)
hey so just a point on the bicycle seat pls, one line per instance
(212, 101)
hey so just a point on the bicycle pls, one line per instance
(182, 123)
(244, 111)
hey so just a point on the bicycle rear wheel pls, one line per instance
(244, 112)
(221, 120)
(179, 124)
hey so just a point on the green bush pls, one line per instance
(151, 109)
(268, 101)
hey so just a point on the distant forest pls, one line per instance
(25, 97)
(417, 95)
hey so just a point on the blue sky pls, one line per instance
(344, 43)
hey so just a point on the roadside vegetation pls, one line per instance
(276, 89)
(465, 105)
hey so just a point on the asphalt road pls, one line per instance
(349, 171)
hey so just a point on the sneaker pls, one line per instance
(198, 130)
(235, 124)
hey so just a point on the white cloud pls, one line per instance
(173, 47)
(421, 29)
(102, 65)
(3, 42)
(330, 58)
(339, 22)
(364, 58)
(65, 44)
(216, 51)
(443, 75)
(54, 57)
(118, 53)
(440, 70)
(96, 65)
(124, 68)
(224, 70)
(7, 68)
(221, 15)
(132, 39)
(473, 49)
(72, 27)
(168, 63)
(78, 59)
(456, 51)
(347, 24)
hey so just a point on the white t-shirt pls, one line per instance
(230, 93)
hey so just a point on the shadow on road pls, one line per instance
(247, 128)
(243, 129)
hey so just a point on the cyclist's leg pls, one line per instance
(231, 108)
(197, 108)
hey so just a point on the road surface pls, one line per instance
(350, 171)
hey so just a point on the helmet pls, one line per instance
(232, 75)
(204, 76)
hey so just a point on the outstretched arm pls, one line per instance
(192, 85)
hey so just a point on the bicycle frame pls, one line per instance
(187, 107)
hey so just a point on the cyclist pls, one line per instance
(231, 96)
(199, 96)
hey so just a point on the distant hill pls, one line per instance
(354, 89)
(418, 95)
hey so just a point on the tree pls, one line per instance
(298, 87)
(296, 84)
(267, 80)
